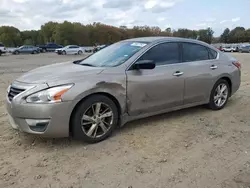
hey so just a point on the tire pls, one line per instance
(0, 53)
(213, 103)
(86, 107)
(44, 50)
(16, 52)
(64, 53)
(34, 52)
(79, 52)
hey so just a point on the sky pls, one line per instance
(191, 14)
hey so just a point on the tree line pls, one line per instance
(97, 33)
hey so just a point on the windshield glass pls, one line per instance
(114, 55)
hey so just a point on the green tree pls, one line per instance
(237, 35)
(48, 31)
(225, 36)
(10, 36)
(206, 35)
(31, 37)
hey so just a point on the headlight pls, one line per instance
(51, 95)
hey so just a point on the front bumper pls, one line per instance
(58, 52)
(48, 120)
(56, 118)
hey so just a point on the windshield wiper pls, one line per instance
(86, 64)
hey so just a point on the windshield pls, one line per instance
(113, 55)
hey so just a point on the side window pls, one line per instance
(162, 54)
(212, 54)
(194, 52)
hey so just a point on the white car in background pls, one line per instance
(2, 49)
(70, 49)
(229, 49)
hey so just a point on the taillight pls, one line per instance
(237, 64)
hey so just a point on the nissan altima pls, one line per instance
(128, 80)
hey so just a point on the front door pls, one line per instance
(161, 88)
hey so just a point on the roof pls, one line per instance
(161, 38)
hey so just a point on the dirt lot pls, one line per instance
(189, 148)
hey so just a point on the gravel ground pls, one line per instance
(192, 148)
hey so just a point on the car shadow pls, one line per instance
(58, 143)
(193, 111)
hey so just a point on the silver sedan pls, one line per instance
(128, 80)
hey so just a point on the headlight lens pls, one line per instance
(51, 95)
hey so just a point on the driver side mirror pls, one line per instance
(144, 64)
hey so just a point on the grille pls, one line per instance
(13, 92)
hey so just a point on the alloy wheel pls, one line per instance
(97, 120)
(221, 95)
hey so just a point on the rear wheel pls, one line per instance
(219, 95)
(0, 52)
(79, 52)
(94, 119)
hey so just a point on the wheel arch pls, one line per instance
(110, 96)
(229, 81)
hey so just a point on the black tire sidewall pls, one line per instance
(83, 106)
(212, 104)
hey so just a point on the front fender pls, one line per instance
(82, 90)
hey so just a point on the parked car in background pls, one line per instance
(245, 49)
(26, 49)
(50, 47)
(228, 49)
(70, 49)
(99, 47)
(2, 49)
(128, 80)
(220, 48)
(89, 49)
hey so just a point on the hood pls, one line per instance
(60, 72)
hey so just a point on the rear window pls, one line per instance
(212, 54)
(194, 52)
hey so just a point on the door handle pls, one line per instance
(178, 73)
(213, 67)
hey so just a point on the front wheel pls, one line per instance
(63, 52)
(219, 95)
(94, 119)
(79, 52)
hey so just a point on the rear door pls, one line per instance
(72, 50)
(158, 89)
(201, 68)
